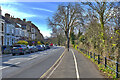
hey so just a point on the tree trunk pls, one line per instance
(102, 32)
(118, 43)
(68, 41)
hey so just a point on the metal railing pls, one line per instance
(104, 60)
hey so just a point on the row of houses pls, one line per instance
(14, 29)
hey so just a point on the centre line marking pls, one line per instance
(76, 66)
(61, 57)
(17, 63)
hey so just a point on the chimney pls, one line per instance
(7, 15)
(24, 20)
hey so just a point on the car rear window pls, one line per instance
(23, 45)
(16, 46)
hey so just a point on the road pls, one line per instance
(72, 65)
(30, 65)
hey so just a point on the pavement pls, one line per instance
(75, 65)
(30, 65)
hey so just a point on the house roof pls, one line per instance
(34, 26)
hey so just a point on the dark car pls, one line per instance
(3, 48)
(33, 49)
(19, 49)
(6, 49)
(47, 46)
(40, 48)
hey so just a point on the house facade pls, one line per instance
(2, 23)
(9, 35)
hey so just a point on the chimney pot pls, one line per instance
(24, 20)
(7, 15)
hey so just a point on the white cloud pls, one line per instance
(15, 12)
(45, 33)
(42, 9)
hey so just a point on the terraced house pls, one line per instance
(9, 30)
(2, 23)
(14, 29)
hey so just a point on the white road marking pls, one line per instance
(18, 63)
(20, 57)
(45, 53)
(8, 66)
(76, 66)
(5, 62)
(5, 67)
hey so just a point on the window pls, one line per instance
(12, 41)
(2, 39)
(2, 27)
(12, 30)
(7, 41)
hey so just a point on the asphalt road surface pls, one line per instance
(73, 65)
(32, 65)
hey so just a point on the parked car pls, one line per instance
(30, 49)
(44, 47)
(40, 48)
(47, 46)
(3, 48)
(19, 49)
(7, 50)
(36, 49)
(33, 49)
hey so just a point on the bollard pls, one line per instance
(105, 62)
(94, 55)
(98, 59)
(116, 69)
(90, 54)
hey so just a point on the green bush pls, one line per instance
(76, 47)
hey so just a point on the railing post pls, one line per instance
(98, 59)
(105, 62)
(116, 69)
(90, 54)
(94, 55)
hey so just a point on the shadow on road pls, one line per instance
(11, 65)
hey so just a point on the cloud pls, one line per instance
(46, 33)
(8, 8)
(42, 9)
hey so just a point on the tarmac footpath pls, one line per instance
(75, 66)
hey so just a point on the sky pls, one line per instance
(37, 12)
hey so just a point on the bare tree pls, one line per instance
(105, 13)
(60, 18)
(59, 35)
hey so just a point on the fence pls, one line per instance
(111, 64)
